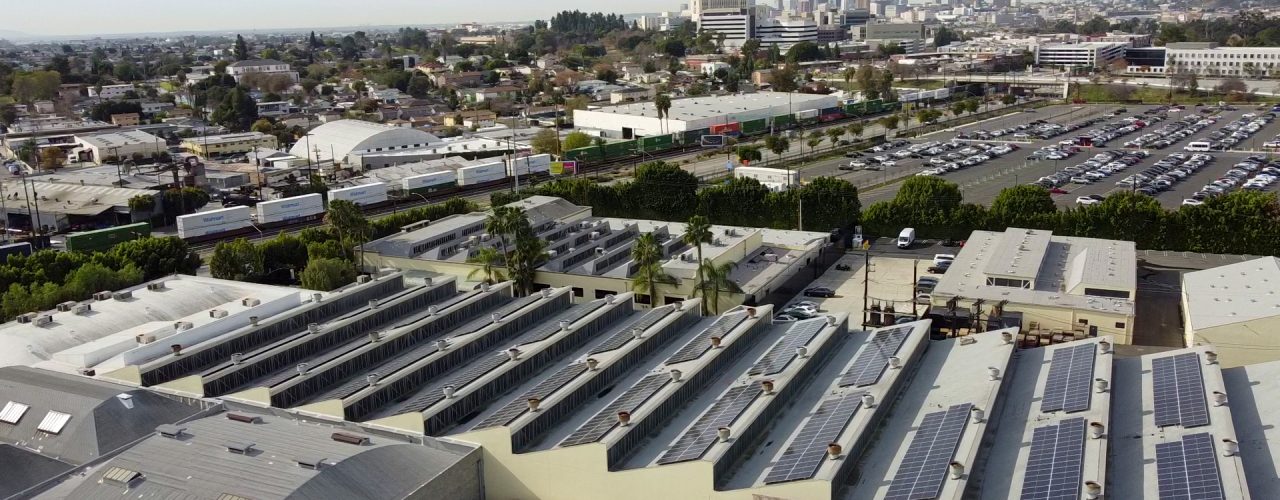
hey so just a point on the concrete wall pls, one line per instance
(1241, 344)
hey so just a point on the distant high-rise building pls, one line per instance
(697, 7)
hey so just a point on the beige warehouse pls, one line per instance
(1237, 309)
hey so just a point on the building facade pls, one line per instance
(240, 69)
(737, 25)
(1087, 54)
(229, 144)
(786, 32)
(1212, 60)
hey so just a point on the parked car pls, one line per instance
(938, 259)
(1092, 199)
(819, 291)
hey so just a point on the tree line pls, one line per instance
(1242, 222)
(39, 281)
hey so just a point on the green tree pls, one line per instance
(1009, 99)
(783, 80)
(803, 52)
(237, 260)
(663, 191)
(237, 111)
(263, 125)
(662, 102)
(697, 232)
(1024, 205)
(834, 134)
(283, 258)
(777, 144)
(327, 274)
(855, 129)
(349, 223)
(503, 222)
(575, 140)
(241, 49)
(647, 254)
(545, 142)
(829, 203)
(158, 257)
(530, 252)
(714, 279)
(490, 261)
(748, 154)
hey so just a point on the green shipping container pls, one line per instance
(589, 153)
(892, 106)
(754, 127)
(783, 121)
(874, 106)
(655, 143)
(617, 149)
(102, 240)
(856, 109)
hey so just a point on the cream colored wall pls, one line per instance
(1057, 318)
(580, 473)
(1249, 342)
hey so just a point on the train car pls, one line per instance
(529, 165)
(781, 122)
(693, 137)
(874, 106)
(433, 182)
(102, 240)
(482, 173)
(855, 108)
(306, 206)
(655, 143)
(830, 114)
(892, 106)
(754, 127)
(214, 222)
(733, 128)
(589, 153)
(619, 149)
(364, 194)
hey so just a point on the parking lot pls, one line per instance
(981, 182)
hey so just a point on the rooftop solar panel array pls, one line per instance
(520, 405)
(1055, 468)
(1070, 376)
(549, 327)
(703, 433)
(604, 421)
(783, 352)
(1179, 391)
(701, 343)
(809, 448)
(434, 393)
(871, 362)
(1188, 469)
(924, 468)
(624, 335)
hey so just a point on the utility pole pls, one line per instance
(866, 283)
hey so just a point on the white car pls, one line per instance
(1192, 202)
(1092, 199)
(889, 163)
(938, 259)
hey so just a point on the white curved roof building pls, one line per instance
(344, 138)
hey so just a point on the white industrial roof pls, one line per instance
(120, 139)
(1060, 267)
(340, 138)
(1234, 293)
(72, 199)
(695, 108)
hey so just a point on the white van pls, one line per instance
(1198, 146)
(906, 237)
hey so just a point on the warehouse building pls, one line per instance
(1048, 285)
(229, 144)
(345, 140)
(696, 113)
(60, 205)
(120, 146)
(593, 255)
(1237, 308)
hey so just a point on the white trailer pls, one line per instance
(529, 165)
(364, 194)
(433, 180)
(479, 174)
(214, 221)
(297, 207)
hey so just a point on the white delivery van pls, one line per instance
(906, 237)
(1197, 146)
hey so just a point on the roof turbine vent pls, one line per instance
(834, 451)
(895, 363)
(1230, 447)
(1210, 358)
(1092, 490)
(957, 470)
(868, 401)
(1097, 430)
(1101, 385)
(1219, 398)
(724, 433)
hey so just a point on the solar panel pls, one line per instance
(1188, 469)
(549, 327)
(434, 393)
(1055, 468)
(871, 362)
(624, 335)
(806, 452)
(783, 352)
(604, 421)
(520, 405)
(1179, 391)
(924, 468)
(1070, 376)
(704, 431)
(702, 342)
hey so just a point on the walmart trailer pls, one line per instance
(297, 207)
(214, 222)
(364, 194)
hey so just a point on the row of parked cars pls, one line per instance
(1166, 173)
(1054, 152)
(1171, 132)
(968, 156)
(1255, 173)
(1098, 167)
(1107, 132)
(997, 133)
(1239, 130)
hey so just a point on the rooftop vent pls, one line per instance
(104, 295)
(26, 318)
(155, 287)
(144, 338)
(240, 447)
(344, 437)
(42, 320)
(66, 306)
(217, 313)
(182, 326)
(170, 431)
(122, 296)
(243, 417)
(120, 476)
(250, 302)
(310, 463)
(362, 279)
(81, 309)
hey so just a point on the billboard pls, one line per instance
(564, 167)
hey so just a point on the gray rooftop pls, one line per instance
(695, 108)
(1234, 293)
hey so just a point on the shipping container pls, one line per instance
(806, 114)
(297, 207)
(783, 121)
(831, 117)
(364, 194)
(479, 174)
(14, 249)
(754, 127)
(655, 143)
(431, 182)
(855, 108)
(875, 106)
(890, 107)
(693, 137)
(214, 222)
(619, 149)
(102, 240)
(589, 153)
(733, 128)
(529, 165)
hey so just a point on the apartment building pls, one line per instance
(1211, 60)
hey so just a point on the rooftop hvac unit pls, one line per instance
(344, 437)
(471, 240)
(240, 448)
(243, 417)
(170, 431)
(551, 254)
(144, 338)
(181, 326)
(157, 286)
(585, 224)
(310, 463)
(485, 237)
(42, 320)
(26, 318)
(82, 309)
(362, 279)
(250, 302)
(125, 295)
(102, 296)
(217, 313)
(599, 251)
(66, 306)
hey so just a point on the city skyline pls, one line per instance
(115, 18)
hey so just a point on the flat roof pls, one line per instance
(1255, 398)
(1060, 269)
(120, 138)
(1234, 293)
(70, 199)
(695, 108)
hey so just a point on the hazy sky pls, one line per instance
(141, 16)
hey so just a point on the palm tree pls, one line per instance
(716, 281)
(530, 252)
(696, 232)
(663, 103)
(502, 222)
(833, 134)
(849, 74)
(490, 260)
(649, 274)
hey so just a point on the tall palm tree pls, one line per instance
(490, 261)
(849, 74)
(530, 252)
(649, 274)
(716, 281)
(663, 103)
(698, 231)
(501, 222)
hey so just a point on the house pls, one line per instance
(125, 119)
(631, 95)
(240, 69)
(472, 118)
(463, 79)
(491, 93)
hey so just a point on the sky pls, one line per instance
(85, 17)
